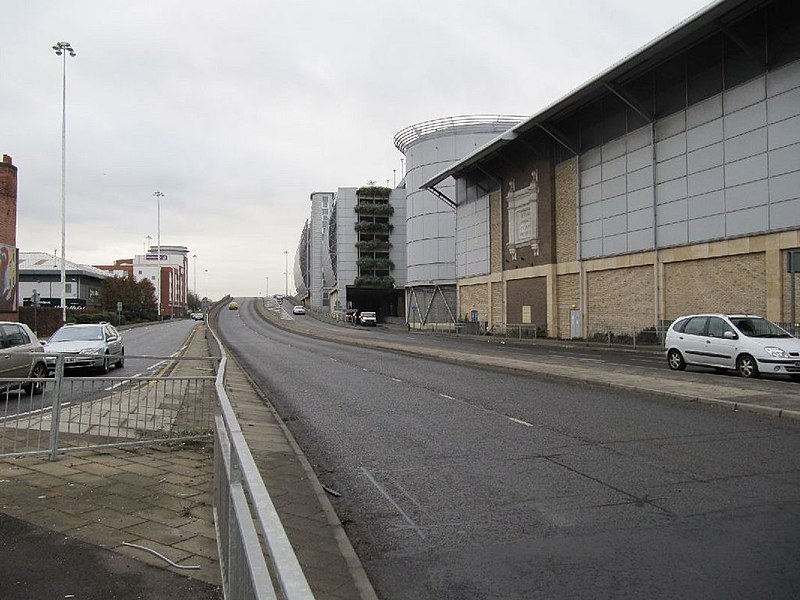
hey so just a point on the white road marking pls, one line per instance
(446, 396)
(591, 359)
(520, 421)
(408, 519)
(397, 380)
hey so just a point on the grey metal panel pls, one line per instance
(615, 244)
(640, 199)
(706, 204)
(783, 79)
(670, 126)
(640, 240)
(746, 170)
(671, 169)
(707, 228)
(640, 179)
(704, 135)
(705, 158)
(614, 149)
(614, 206)
(590, 194)
(745, 120)
(746, 94)
(784, 160)
(592, 212)
(639, 139)
(591, 176)
(706, 181)
(592, 248)
(784, 106)
(748, 195)
(748, 144)
(640, 219)
(703, 112)
(784, 187)
(784, 133)
(671, 147)
(747, 221)
(672, 212)
(613, 187)
(614, 225)
(674, 234)
(640, 158)
(671, 191)
(613, 168)
(593, 230)
(785, 214)
(591, 158)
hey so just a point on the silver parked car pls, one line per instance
(746, 343)
(21, 356)
(96, 345)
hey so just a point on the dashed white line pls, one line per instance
(446, 396)
(520, 421)
(397, 380)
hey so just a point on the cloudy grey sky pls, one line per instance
(237, 111)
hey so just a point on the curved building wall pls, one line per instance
(430, 147)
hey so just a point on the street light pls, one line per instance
(267, 278)
(158, 196)
(194, 256)
(62, 49)
(286, 271)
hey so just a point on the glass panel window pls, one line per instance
(695, 326)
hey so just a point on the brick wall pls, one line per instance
(620, 298)
(527, 292)
(496, 232)
(473, 297)
(568, 288)
(786, 285)
(566, 212)
(8, 202)
(727, 284)
(498, 306)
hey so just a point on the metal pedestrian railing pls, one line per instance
(250, 535)
(79, 412)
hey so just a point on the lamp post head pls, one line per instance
(62, 47)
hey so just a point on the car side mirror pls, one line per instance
(730, 335)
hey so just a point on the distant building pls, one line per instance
(40, 275)
(171, 288)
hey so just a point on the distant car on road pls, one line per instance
(748, 344)
(368, 318)
(198, 316)
(19, 348)
(298, 310)
(94, 345)
(233, 306)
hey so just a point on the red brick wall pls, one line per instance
(8, 212)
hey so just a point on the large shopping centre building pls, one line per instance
(668, 184)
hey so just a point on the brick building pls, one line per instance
(668, 184)
(8, 240)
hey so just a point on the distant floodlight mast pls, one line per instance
(62, 49)
(158, 196)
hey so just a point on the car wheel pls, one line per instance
(675, 360)
(746, 366)
(121, 361)
(37, 387)
(104, 367)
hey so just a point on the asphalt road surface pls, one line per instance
(465, 483)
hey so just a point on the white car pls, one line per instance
(368, 318)
(95, 345)
(747, 344)
(298, 310)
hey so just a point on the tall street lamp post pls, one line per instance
(158, 196)
(62, 49)
(286, 271)
(194, 256)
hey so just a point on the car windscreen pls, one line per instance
(758, 327)
(69, 334)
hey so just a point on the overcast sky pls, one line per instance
(237, 111)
